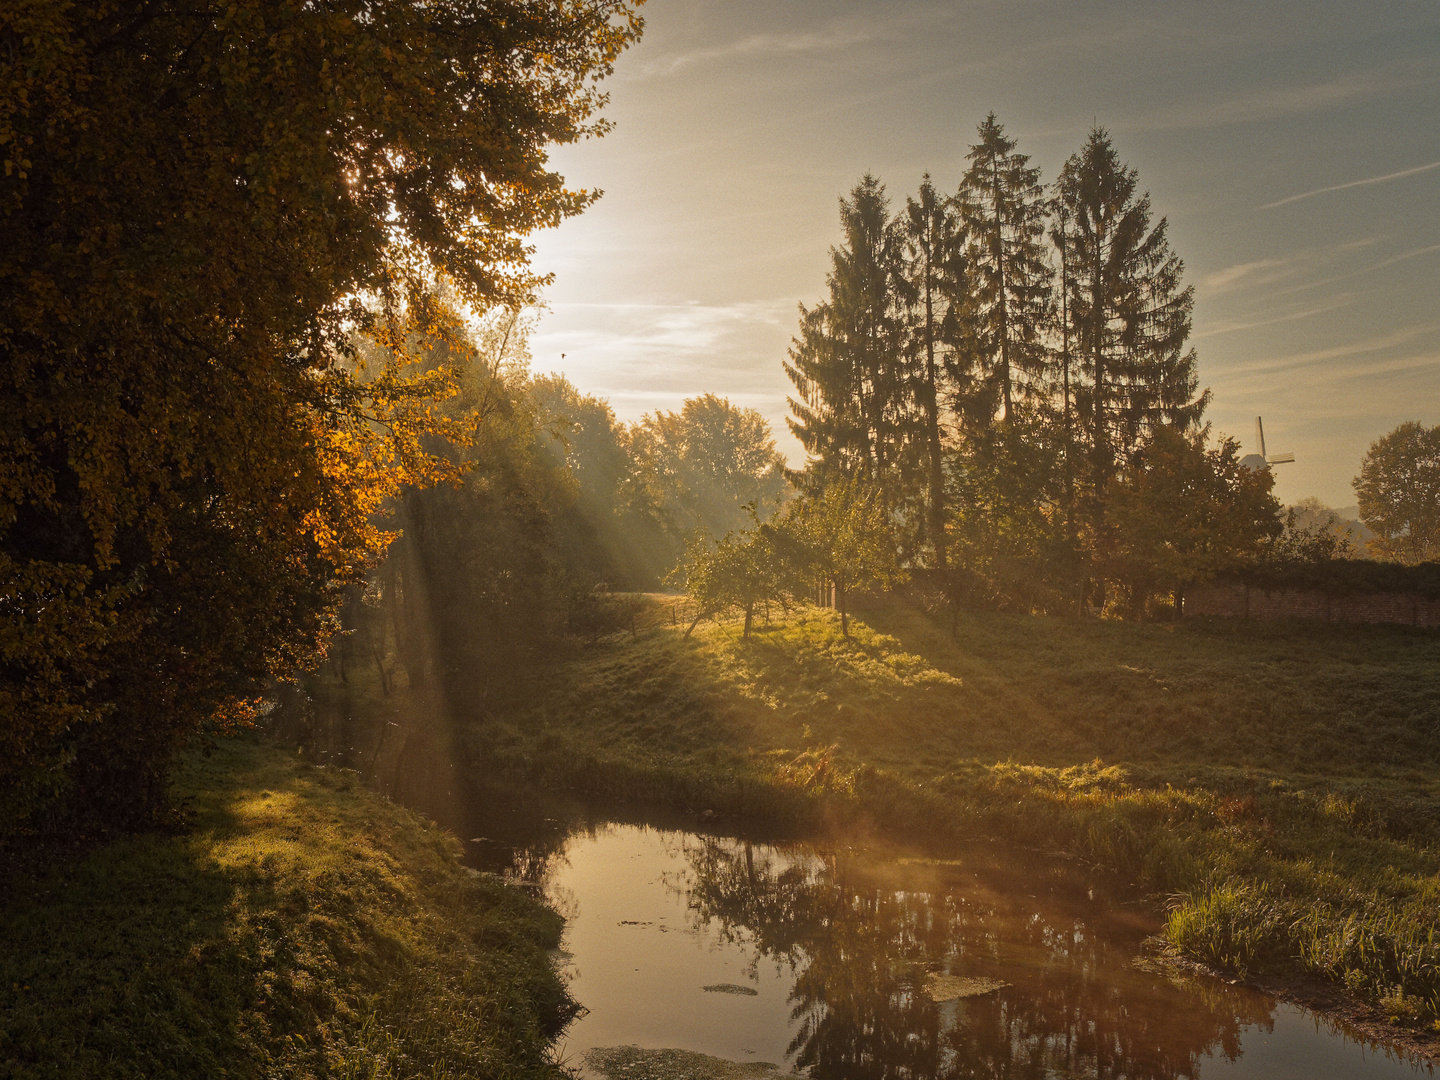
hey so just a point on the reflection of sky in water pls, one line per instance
(1299, 1049)
(640, 962)
(834, 948)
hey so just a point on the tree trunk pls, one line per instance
(932, 424)
(380, 667)
(1003, 297)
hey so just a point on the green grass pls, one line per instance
(1280, 782)
(300, 926)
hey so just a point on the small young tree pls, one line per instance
(844, 533)
(1399, 491)
(740, 572)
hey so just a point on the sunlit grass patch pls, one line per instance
(301, 927)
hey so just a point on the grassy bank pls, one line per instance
(1281, 782)
(298, 926)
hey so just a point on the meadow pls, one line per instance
(295, 925)
(1274, 787)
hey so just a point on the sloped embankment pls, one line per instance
(302, 926)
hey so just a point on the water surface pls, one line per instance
(827, 961)
(819, 960)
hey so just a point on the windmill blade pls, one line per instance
(1281, 459)
(1260, 436)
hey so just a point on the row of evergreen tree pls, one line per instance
(994, 360)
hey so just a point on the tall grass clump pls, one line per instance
(1235, 926)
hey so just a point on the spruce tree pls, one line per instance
(933, 251)
(935, 282)
(1003, 208)
(1064, 369)
(854, 407)
(1127, 316)
(1126, 326)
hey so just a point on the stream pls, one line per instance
(699, 952)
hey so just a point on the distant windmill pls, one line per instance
(1260, 461)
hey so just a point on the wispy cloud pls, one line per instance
(690, 327)
(1404, 256)
(663, 346)
(1234, 276)
(1277, 102)
(836, 38)
(643, 356)
(1237, 325)
(1400, 365)
(1254, 274)
(1353, 184)
(1312, 358)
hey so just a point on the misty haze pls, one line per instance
(682, 540)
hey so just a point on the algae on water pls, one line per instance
(940, 987)
(730, 988)
(633, 1063)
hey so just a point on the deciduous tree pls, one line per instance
(1005, 487)
(202, 205)
(844, 533)
(1183, 511)
(1399, 491)
(740, 571)
(711, 461)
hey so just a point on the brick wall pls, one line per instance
(1240, 601)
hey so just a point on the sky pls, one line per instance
(1293, 147)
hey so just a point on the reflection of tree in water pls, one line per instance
(863, 936)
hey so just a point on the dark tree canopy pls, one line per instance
(1013, 375)
(203, 204)
(935, 281)
(1129, 316)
